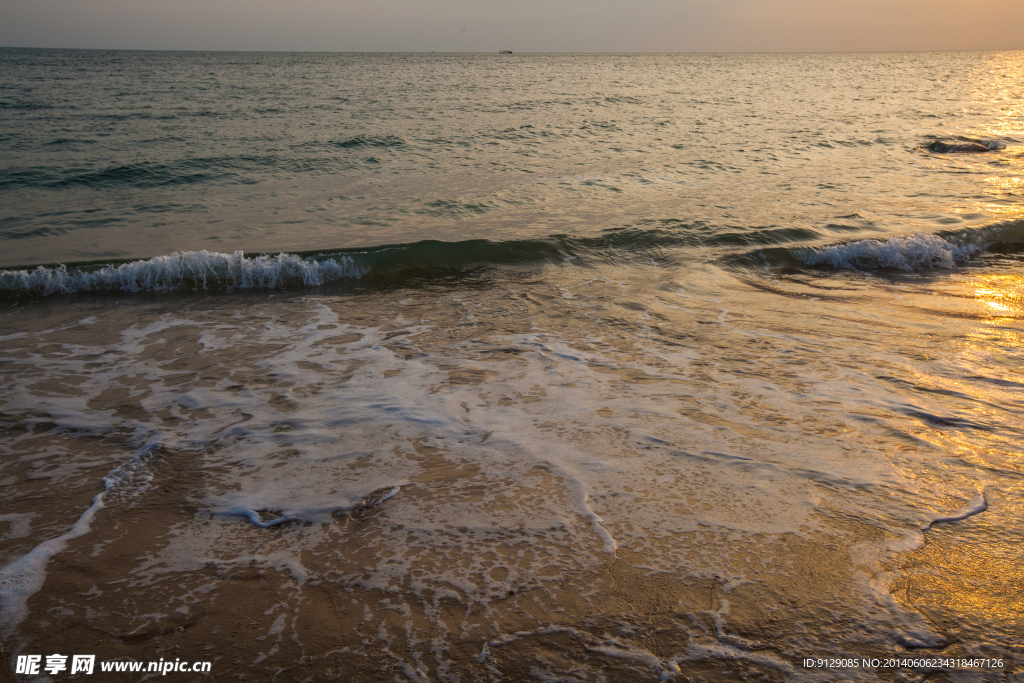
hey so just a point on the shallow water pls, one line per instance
(713, 368)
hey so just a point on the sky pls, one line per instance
(518, 25)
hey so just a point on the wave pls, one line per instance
(24, 105)
(378, 266)
(904, 253)
(241, 169)
(910, 253)
(184, 271)
(71, 141)
(369, 141)
(401, 264)
(141, 175)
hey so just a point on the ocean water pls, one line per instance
(514, 367)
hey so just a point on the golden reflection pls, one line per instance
(960, 574)
(999, 299)
(968, 571)
(1001, 210)
(1002, 292)
(1000, 84)
(1003, 196)
(1006, 185)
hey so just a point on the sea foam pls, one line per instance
(182, 271)
(909, 253)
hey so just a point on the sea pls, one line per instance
(553, 367)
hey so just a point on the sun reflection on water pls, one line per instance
(1003, 295)
(1001, 83)
(971, 571)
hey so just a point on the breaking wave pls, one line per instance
(903, 253)
(183, 271)
(390, 265)
(910, 253)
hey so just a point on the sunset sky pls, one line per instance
(520, 25)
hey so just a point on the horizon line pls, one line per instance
(514, 53)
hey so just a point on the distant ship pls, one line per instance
(504, 52)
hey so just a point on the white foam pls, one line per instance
(909, 253)
(977, 505)
(727, 651)
(285, 501)
(22, 578)
(19, 524)
(182, 271)
(374, 398)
